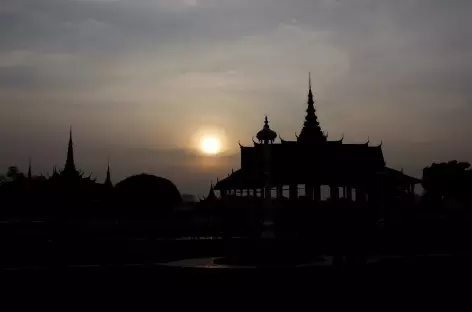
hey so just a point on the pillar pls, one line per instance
(412, 194)
(223, 193)
(293, 191)
(334, 192)
(279, 191)
(348, 193)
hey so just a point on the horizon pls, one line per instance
(142, 82)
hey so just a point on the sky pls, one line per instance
(140, 81)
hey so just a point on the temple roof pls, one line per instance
(246, 179)
(293, 162)
(398, 177)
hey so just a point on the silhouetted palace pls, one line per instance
(352, 171)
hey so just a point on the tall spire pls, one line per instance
(311, 131)
(211, 193)
(70, 164)
(108, 179)
(29, 169)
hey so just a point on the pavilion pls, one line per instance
(351, 171)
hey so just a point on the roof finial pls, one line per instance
(309, 80)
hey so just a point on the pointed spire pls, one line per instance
(311, 131)
(310, 93)
(54, 172)
(69, 168)
(211, 193)
(29, 169)
(309, 84)
(108, 179)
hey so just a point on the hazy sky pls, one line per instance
(139, 80)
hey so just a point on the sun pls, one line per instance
(210, 145)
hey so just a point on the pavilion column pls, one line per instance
(412, 193)
(334, 192)
(223, 193)
(309, 191)
(293, 191)
(279, 190)
(348, 193)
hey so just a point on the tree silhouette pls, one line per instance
(445, 181)
(14, 173)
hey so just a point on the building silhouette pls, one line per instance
(351, 171)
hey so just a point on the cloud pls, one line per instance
(149, 72)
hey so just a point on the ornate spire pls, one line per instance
(70, 164)
(29, 170)
(266, 134)
(108, 179)
(311, 131)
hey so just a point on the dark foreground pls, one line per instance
(405, 281)
(89, 271)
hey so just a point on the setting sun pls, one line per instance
(210, 145)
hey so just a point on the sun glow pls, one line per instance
(210, 145)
